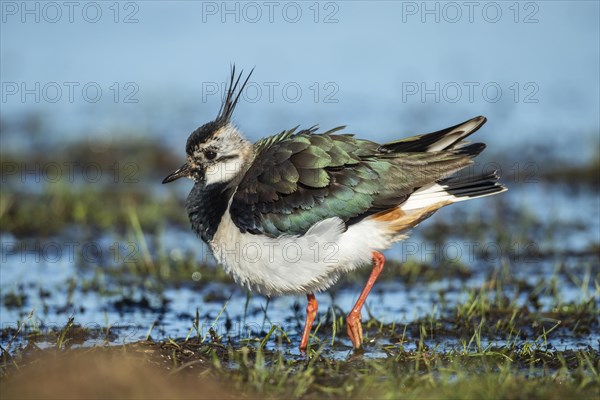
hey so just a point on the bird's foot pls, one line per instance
(354, 328)
(311, 313)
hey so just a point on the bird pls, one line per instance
(293, 212)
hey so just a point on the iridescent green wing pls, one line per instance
(297, 180)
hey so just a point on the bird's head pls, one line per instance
(217, 152)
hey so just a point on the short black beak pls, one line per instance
(179, 173)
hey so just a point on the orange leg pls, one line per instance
(311, 313)
(353, 322)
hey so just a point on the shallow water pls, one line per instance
(54, 286)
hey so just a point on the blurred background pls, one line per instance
(98, 99)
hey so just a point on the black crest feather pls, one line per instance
(231, 98)
(206, 131)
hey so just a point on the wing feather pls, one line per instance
(299, 179)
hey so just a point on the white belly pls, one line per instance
(297, 264)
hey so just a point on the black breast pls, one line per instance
(205, 206)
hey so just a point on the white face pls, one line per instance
(223, 157)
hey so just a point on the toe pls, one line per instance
(354, 329)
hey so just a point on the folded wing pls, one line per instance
(299, 179)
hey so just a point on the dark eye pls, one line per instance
(209, 154)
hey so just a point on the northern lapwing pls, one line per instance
(293, 212)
